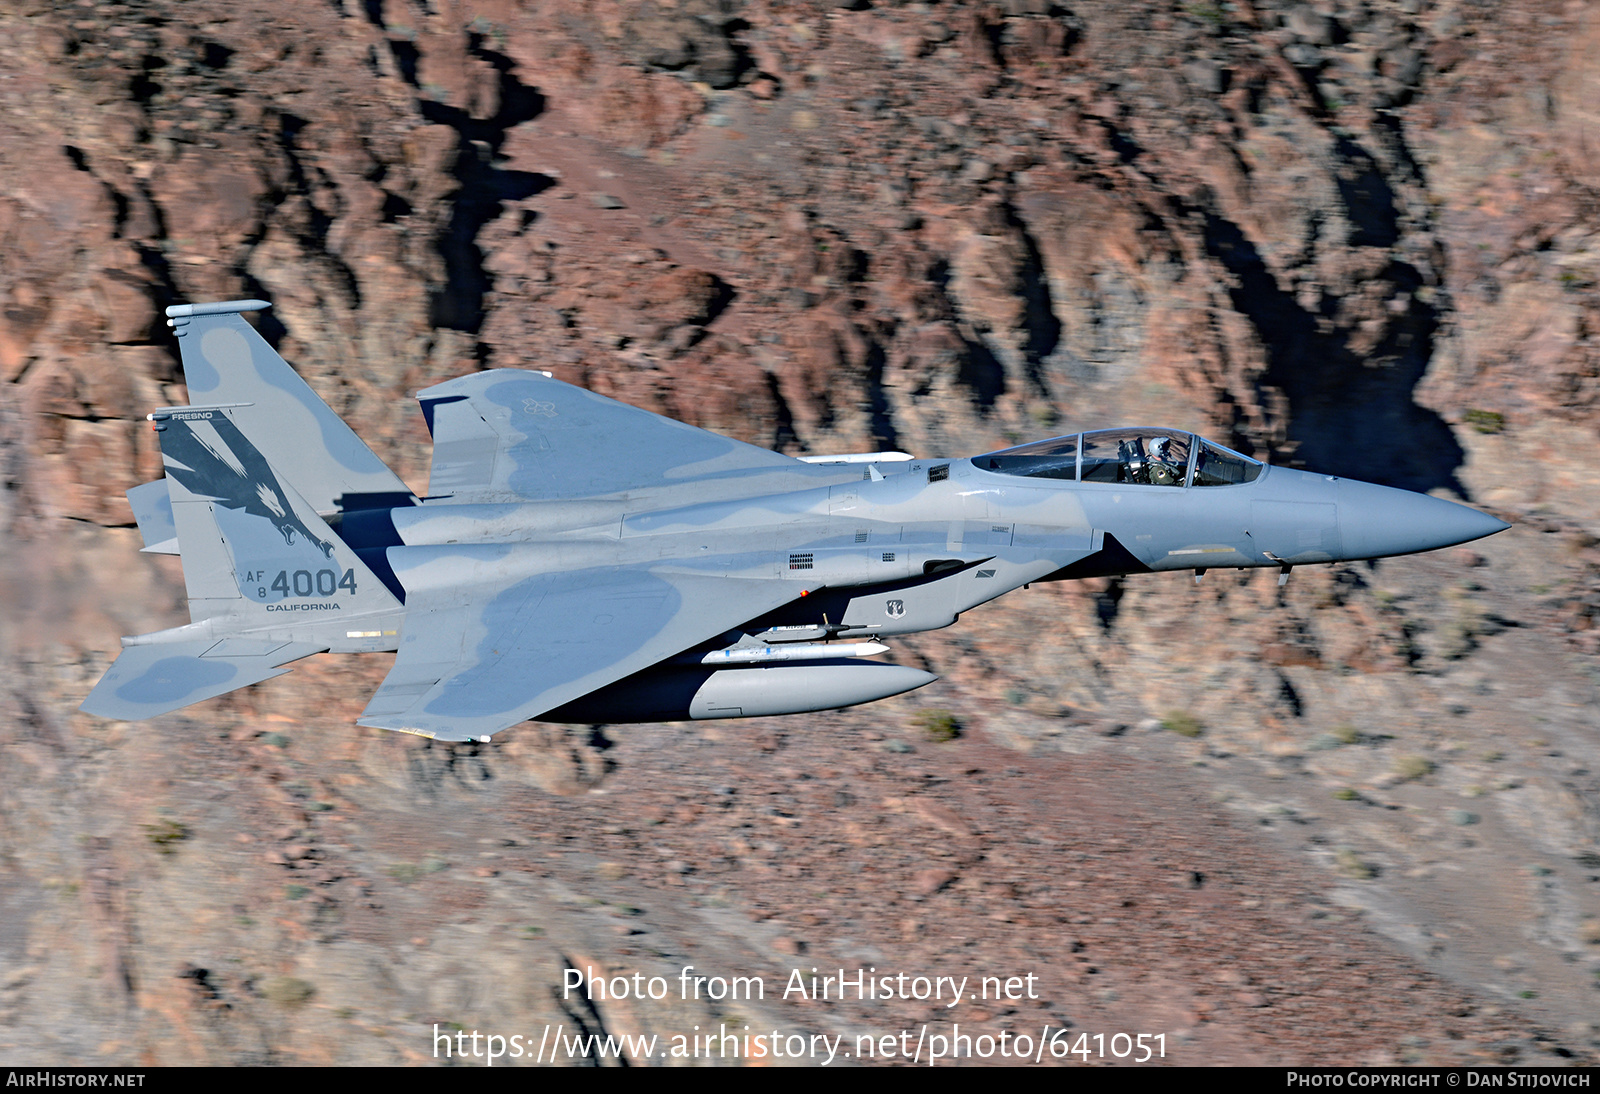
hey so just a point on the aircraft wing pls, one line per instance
(513, 435)
(477, 659)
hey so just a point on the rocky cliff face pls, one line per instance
(1354, 236)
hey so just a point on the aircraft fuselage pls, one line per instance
(908, 546)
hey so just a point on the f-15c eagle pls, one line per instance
(582, 560)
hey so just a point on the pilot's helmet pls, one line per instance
(1159, 448)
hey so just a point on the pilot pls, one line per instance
(1165, 468)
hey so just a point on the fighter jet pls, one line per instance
(580, 560)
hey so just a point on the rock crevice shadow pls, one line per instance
(1352, 414)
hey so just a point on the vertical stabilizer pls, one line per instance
(226, 362)
(254, 551)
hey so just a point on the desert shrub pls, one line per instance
(288, 991)
(1351, 866)
(1486, 421)
(1412, 766)
(166, 835)
(939, 725)
(1182, 723)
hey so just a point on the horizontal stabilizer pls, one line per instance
(152, 508)
(154, 679)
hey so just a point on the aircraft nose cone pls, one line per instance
(1378, 521)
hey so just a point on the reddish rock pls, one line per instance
(943, 230)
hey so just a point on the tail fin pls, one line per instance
(225, 362)
(269, 581)
(253, 549)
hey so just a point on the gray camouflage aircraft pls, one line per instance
(580, 560)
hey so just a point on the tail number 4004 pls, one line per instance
(306, 583)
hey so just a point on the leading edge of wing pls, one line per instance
(510, 434)
(472, 665)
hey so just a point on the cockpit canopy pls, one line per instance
(1144, 457)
